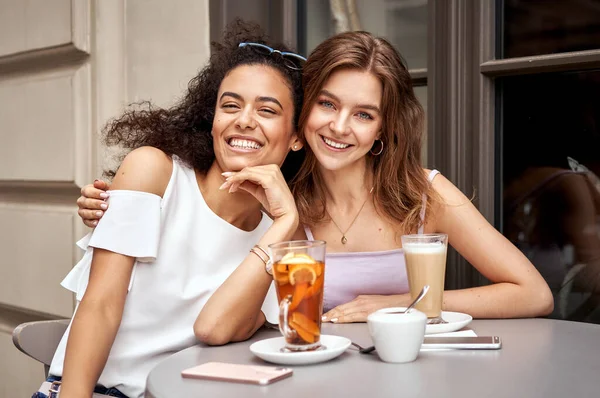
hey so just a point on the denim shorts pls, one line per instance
(111, 392)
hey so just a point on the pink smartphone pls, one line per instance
(253, 374)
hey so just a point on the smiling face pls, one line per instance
(254, 115)
(345, 120)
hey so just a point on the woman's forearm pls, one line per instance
(233, 311)
(500, 300)
(91, 337)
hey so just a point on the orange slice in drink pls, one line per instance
(315, 288)
(297, 258)
(281, 268)
(291, 260)
(304, 335)
(282, 278)
(319, 270)
(303, 273)
(306, 329)
(299, 292)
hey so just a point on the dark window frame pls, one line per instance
(462, 110)
(465, 113)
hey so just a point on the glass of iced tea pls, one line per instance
(425, 256)
(299, 273)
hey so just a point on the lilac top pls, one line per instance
(348, 275)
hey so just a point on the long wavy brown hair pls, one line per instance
(399, 179)
(185, 129)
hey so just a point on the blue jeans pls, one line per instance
(111, 392)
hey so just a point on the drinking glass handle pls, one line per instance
(284, 326)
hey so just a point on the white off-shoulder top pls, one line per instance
(183, 252)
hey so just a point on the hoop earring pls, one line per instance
(377, 153)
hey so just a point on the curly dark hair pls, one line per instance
(185, 129)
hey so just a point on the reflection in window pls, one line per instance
(402, 22)
(551, 188)
(550, 26)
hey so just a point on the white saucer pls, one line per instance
(269, 350)
(456, 321)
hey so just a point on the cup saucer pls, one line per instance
(270, 351)
(455, 321)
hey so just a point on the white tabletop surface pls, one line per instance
(539, 358)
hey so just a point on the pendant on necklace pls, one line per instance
(344, 240)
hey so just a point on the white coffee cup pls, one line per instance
(397, 337)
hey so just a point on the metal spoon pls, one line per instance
(422, 294)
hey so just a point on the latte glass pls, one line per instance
(425, 256)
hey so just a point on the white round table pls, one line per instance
(539, 358)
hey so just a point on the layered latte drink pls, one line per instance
(425, 257)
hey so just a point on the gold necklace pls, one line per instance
(344, 240)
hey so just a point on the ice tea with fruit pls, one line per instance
(299, 274)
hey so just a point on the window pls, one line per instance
(551, 211)
(549, 27)
(549, 130)
(402, 22)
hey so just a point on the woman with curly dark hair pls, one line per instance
(165, 255)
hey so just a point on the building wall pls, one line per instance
(66, 67)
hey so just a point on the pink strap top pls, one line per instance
(348, 275)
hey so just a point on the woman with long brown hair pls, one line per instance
(362, 186)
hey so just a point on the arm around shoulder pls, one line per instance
(145, 169)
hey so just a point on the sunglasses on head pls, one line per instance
(291, 60)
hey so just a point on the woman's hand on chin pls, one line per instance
(268, 186)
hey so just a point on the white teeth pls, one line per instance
(335, 144)
(244, 144)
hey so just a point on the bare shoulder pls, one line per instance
(453, 209)
(145, 169)
(448, 192)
